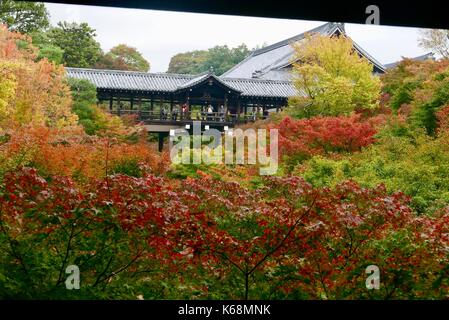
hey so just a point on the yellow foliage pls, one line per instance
(8, 87)
(332, 77)
(31, 92)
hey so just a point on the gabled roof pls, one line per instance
(378, 67)
(203, 78)
(262, 62)
(173, 83)
(429, 55)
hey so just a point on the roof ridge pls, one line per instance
(257, 80)
(375, 62)
(130, 72)
(219, 78)
(295, 38)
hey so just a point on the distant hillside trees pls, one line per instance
(78, 43)
(123, 57)
(24, 16)
(75, 45)
(220, 58)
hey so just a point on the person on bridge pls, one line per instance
(175, 112)
(221, 112)
(185, 110)
(164, 113)
(210, 111)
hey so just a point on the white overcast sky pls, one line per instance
(159, 35)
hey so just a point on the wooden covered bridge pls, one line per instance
(165, 101)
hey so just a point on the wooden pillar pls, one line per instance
(188, 114)
(139, 108)
(132, 102)
(161, 141)
(110, 103)
(119, 107)
(171, 103)
(152, 103)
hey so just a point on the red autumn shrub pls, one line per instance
(443, 119)
(113, 227)
(312, 243)
(284, 239)
(320, 135)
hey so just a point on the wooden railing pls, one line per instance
(144, 115)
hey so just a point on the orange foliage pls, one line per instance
(443, 119)
(9, 48)
(71, 152)
(37, 90)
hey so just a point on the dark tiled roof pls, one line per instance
(262, 88)
(130, 80)
(260, 63)
(167, 82)
(325, 29)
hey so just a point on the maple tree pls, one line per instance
(412, 162)
(31, 92)
(75, 154)
(284, 239)
(419, 86)
(300, 139)
(332, 78)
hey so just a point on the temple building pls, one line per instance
(262, 81)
